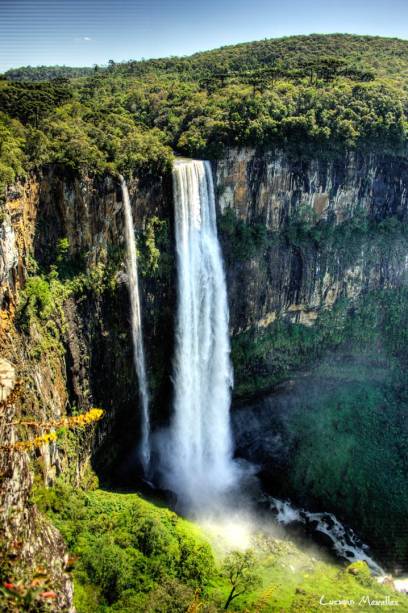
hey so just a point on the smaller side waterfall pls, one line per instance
(136, 321)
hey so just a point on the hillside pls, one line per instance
(307, 93)
(46, 73)
(388, 57)
(133, 555)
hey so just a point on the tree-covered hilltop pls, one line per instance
(46, 73)
(323, 93)
(367, 54)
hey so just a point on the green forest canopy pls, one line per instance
(315, 93)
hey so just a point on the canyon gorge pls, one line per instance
(290, 281)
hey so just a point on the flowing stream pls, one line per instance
(199, 465)
(136, 322)
(343, 542)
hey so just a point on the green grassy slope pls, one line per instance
(132, 555)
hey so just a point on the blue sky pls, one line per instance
(87, 32)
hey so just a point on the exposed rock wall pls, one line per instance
(17, 228)
(271, 186)
(336, 239)
(98, 361)
(295, 279)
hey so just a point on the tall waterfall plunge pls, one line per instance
(199, 465)
(136, 322)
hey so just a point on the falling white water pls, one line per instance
(136, 321)
(199, 465)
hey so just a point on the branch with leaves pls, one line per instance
(71, 422)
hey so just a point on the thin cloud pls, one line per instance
(83, 39)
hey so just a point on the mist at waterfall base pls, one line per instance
(196, 451)
(136, 325)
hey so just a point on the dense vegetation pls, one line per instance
(46, 73)
(324, 92)
(130, 555)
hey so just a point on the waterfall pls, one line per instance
(199, 466)
(136, 322)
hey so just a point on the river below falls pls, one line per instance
(319, 529)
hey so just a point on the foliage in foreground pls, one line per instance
(239, 568)
(53, 429)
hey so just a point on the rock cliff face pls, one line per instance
(335, 246)
(271, 186)
(92, 364)
(29, 544)
(287, 277)
(17, 224)
(99, 347)
(88, 214)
